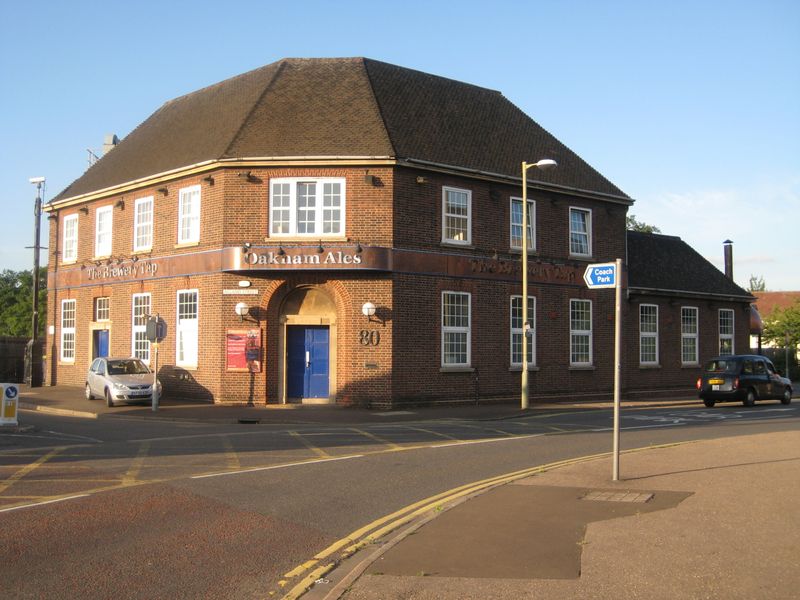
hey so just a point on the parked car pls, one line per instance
(742, 377)
(120, 379)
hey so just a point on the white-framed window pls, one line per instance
(143, 224)
(141, 308)
(456, 329)
(580, 332)
(725, 331)
(69, 251)
(68, 330)
(456, 216)
(189, 215)
(580, 231)
(102, 308)
(517, 331)
(516, 224)
(689, 335)
(310, 206)
(648, 334)
(186, 330)
(104, 220)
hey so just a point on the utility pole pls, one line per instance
(33, 354)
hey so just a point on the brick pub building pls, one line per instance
(263, 216)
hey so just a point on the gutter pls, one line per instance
(711, 295)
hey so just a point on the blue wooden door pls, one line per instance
(308, 363)
(100, 343)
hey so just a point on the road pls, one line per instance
(141, 509)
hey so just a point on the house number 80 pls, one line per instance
(370, 338)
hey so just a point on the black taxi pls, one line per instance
(745, 377)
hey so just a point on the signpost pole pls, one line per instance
(155, 379)
(617, 362)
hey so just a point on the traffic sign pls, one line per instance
(601, 275)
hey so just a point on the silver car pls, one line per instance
(120, 379)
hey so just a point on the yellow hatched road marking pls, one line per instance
(230, 454)
(29, 468)
(309, 445)
(436, 433)
(378, 439)
(131, 477)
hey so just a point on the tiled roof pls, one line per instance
(346, 107)
(767, 302)
(662, 262)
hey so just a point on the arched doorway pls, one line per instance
(308, 347)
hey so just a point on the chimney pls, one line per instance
(728, 247)
(109, 142)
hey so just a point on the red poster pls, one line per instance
(243, 350)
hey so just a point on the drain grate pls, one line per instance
(605, 496)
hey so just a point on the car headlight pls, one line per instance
(120, 387)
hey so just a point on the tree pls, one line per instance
(757, 284)
(633, 225)
(781, 322)
(16, 302)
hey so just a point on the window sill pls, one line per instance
(582, 367)
(73, 261)
(101, 257)
(450, 244)
(456, 370)
(143, 251)
(518, 368)
(276, 238)
(690, 365)
(531, 251)
(645, 367)
(186, 245)
(582, 257)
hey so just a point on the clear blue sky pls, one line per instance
(690, 107)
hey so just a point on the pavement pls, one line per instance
(705, 519)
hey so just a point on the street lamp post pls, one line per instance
(545, 163)
(33, 355)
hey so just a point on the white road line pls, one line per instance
(487, 441)
(296, 464)
(2, 510)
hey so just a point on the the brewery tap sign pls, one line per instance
(601, 275)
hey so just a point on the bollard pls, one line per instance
(10, 401)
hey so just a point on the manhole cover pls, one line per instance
(605, 496)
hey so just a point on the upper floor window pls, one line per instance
(143, 224)
(580, 232)
(68, 330)
(69, 252)
(518, 331)
(313, 207)
(725, 331)
(516, 224)
(648, 334)
(189, 215)
(689, 334)
(104, 218)
(580, 332)
(186, 329)
(456, 216)
(455, 329)
(102, 308)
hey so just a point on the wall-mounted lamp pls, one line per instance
(163, 190)
(242, 309)
(359, 249)
(368, 310)
(120, 260)
(421, 179)
(97, 263)
(370, 179)
(209, 180)
(246, 247)
(320, 249)
(84, 210)
(52, 216)
(247, 175)
(281, 251)
(120, 204)
(134, 258)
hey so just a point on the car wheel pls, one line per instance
(787, 396)
(109, 400)
(88, 393)
(709, 402)
(750, 399)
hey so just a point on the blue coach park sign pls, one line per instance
(601, 275)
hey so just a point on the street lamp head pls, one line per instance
(36, 179)
(545, 163)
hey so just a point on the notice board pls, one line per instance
(243, 350)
